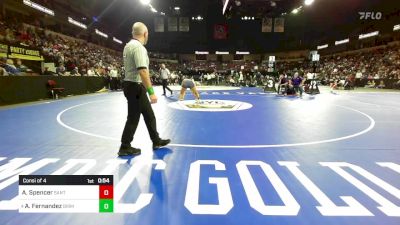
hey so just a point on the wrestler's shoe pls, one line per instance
(160, 143)
(127, 151)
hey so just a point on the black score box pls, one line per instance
(66, 193)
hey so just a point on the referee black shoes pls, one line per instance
(160, 143)
(127, 151)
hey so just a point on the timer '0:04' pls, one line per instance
(103, 180)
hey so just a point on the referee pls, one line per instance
(136, 84)
(165, 74)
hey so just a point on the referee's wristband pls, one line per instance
(150, 90)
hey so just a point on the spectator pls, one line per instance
(75, 72)
(241, 78)
(9, 67)
(297, 82)
(381, 84)
(22, 68)
(334, 85)
(47, 72)
(114, 79)
(60, 70)
(91, 72)
(3, 62)
(9, 35)
(3, 72)
(397, 84)
(282, 84)
(371, 84)
(232, 81)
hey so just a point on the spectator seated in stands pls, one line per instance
(91, 72)
(75, 72)
(2, 67)
(253, 83)
(8, 65)
(334, 84)
(370, 84)
(47, 72)
(397, 84)
(381, 84)
(3, 72)
(282, 84)
(60, 70)
(348, 83)
(232, 81)
(21, 67)
(10, 36)
(290, 88)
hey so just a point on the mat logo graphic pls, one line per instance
(288, 205)
(210, 105)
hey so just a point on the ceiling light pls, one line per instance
(295, 11)
(362, 36)
(39, 7)
(117, 40)
(342, 41)
(322, 46)
(76, 23)
(101, 33)
(308, 2)
(177, 8)
(145, 2)
(201, 53)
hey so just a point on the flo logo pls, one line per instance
(211, 105)
(370, 15)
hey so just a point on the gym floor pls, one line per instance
(246, 157)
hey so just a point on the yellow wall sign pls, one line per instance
(20, 53)
(3, 50)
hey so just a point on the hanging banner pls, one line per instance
(159, 24)
(266, 25)
(184, 24)
(279, 25)
(220, 31)
(172, 24)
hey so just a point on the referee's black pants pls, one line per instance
(165, 85)
(138, 104)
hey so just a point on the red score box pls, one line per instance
(106, 191)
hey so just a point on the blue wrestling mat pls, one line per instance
(238, 157)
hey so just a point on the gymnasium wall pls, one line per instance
(18, 89)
